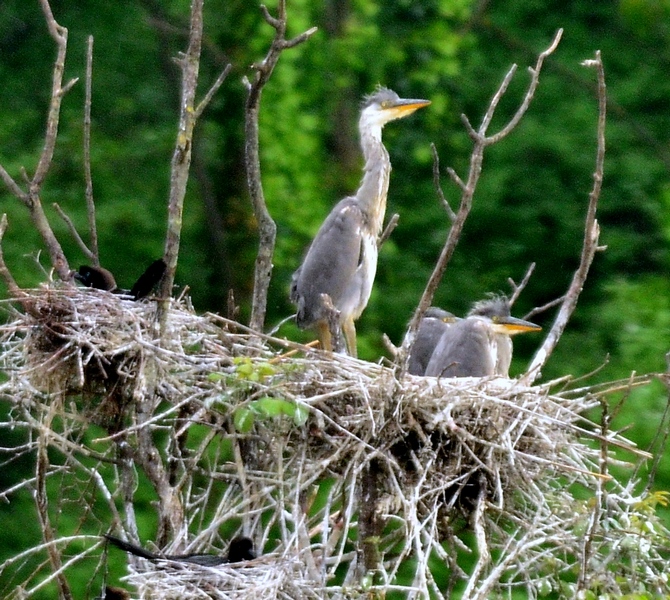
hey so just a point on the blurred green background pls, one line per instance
(529, 206)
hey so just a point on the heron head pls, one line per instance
(384, 105)
(497, 310)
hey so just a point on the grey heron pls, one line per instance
(341, 262)
(434, 323)
(479, 345)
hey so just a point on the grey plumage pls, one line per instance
(479, 345)
(342, 259)
(434, 323)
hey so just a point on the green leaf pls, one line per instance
(243, 419)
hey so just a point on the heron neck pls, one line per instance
(371, 195)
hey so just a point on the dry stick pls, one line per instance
(591, 234)
(599, 504)
(93, 254)
(517, 289)
(438, 187)
(267, 229)
(481, 141)
(181, 158)
(42, 503)
(388, 230)
(75, 234)
(189, 64)
(5, 274)
(31, 198)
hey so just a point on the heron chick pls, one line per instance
(434, 323)
(479, 345)
(342, 260)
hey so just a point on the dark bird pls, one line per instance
(96, 277)
(240, 549)
(479, 345)
(342, 260)
(116, 593)
(149, 279)
(434, 323)
(102, 279)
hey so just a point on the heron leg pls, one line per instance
(350, 335)
(324, 336)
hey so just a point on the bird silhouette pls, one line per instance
(102, 279)
(239, 549)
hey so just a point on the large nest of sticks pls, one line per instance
(489, 456)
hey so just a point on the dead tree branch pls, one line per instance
(93, 254)
(481, 142)
(591, 235)
(518, 288)
(181, 158)
(31, 196)
(267, 229)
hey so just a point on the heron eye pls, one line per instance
(385, 104)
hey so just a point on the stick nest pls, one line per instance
(279, 446)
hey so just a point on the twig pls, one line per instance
(42, 503)
(438, 187)
(94, 255)
(481, 142)
(517, 289)
(386, 234)
(75, 234)
(591, 235)
(5, 274)
(540, 309)
(267, 229)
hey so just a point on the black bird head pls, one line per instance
(241, 548)
(96, 277)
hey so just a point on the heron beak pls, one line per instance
(512, 325)
(404, 108)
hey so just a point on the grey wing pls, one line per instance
(463, 351)
(427, 337)
(330, 263)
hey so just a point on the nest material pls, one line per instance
(492, 456)
(279, 579)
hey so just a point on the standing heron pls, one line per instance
(481, 344)
(342, 260)
(434, 323)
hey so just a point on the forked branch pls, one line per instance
(591, 235)
(181, 157)
(31, 196)
(267, 229)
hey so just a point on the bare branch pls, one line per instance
(181, 158)
(436, 184)
(59, 35)
(75, 234)
(517, 289)
(534, 80)
(591, 234)
(42, 504)
(267, 229)
(212, 90)
(94, 255)
(386, 234)
(540, 309)
(5, 274)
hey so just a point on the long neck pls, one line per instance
(371, 195)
